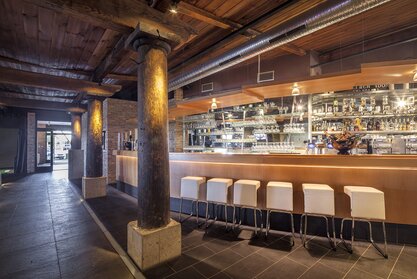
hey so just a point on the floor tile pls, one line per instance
(187, 273)
(217, 262)
(406, 266)
(321, 271)
(372, 260)
(49, 271)
(190, 257)
(249, 267)
(17, 243)
(356, 273)
(285, 268)
(28, 259)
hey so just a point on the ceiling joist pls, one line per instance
(30, 79)
(44, 105)
(122, 16)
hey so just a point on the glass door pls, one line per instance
(44, 150)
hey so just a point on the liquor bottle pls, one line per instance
(370, 125)
(377, 125)
(335, 105)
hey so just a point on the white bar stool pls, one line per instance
(217, 194)
(366, 204)
(318, 202)
(279, 198)
(245, 195)
(191, 190)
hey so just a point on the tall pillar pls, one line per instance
(94, 183)
(154, 238)
(75, 131)
(75, 154)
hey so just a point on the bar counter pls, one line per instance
(395, 175)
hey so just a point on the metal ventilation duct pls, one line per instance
(328, 14)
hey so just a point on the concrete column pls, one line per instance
(94, 184)
(154, 238)
(75, 154)
(76, 131)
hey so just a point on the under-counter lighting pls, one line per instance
(295, 90)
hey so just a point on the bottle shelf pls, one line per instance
(393, 132)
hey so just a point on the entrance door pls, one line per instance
(44, 150)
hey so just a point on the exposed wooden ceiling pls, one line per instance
(74, 46)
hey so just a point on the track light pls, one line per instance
(174, 7)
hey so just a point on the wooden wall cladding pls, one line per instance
(382, 172)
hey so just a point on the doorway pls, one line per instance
(53, 140)
(62, 143)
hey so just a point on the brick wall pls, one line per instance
(31, 142)
(118, 116)
(175, 136)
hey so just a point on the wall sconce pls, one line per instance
(213, 104)
(295, 90)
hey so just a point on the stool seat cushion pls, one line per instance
(279, 196)
(318, 199)
(366, 202)
(190, 187)
(217, 189)
(245, 192)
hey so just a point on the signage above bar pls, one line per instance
(368, 88)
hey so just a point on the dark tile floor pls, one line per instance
(217, 253)
(45, 232)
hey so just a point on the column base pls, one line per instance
(75, 164)
(94, 187)
(149, 248)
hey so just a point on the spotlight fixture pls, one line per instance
(213, 104)
(174, 7)
(295, 90)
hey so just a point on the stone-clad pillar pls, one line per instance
(75, 131)
(154, 238)
(94, 183)
(75, 154)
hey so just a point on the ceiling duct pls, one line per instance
(327, 14)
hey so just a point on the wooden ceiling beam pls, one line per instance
(122, 16)
(26, 66)
(291, 48)
(30, 79)
(207, 17)
(44, 105)
(122, 77)
(111, 60)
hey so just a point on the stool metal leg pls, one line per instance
(268, 212)
(225, 214)
(383, 253)
(353, 235)
(334, 233)
(197, 211)
(262, 223)
(292, 229)
(254, 216)
(207, 214)
(341, 236)
(234, 218)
